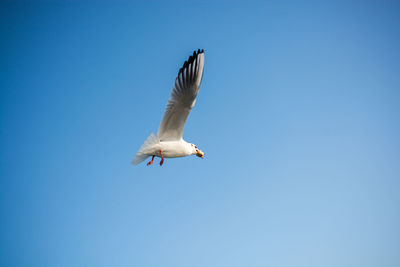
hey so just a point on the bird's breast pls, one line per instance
(173, 149)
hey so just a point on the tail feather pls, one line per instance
(145, 150)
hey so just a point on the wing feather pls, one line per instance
(183, 98)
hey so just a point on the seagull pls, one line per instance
(169, 143)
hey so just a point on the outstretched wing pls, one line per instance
(183, 98)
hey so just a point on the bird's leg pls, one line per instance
(162, 158)
(151, 161)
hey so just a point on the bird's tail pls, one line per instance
(145, 150)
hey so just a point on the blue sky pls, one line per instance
(298, 115)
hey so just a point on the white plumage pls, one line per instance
(169, 143)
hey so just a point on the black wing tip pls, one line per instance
(191, 59)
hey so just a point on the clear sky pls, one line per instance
(298, 116)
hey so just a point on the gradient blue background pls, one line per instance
(298, 115)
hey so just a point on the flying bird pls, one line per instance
(169, 143)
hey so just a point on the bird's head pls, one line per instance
(197, 151)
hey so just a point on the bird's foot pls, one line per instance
(162, 158)
(151, 161)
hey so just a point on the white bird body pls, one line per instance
(172, 149)
(168, 143)
(176, 149)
